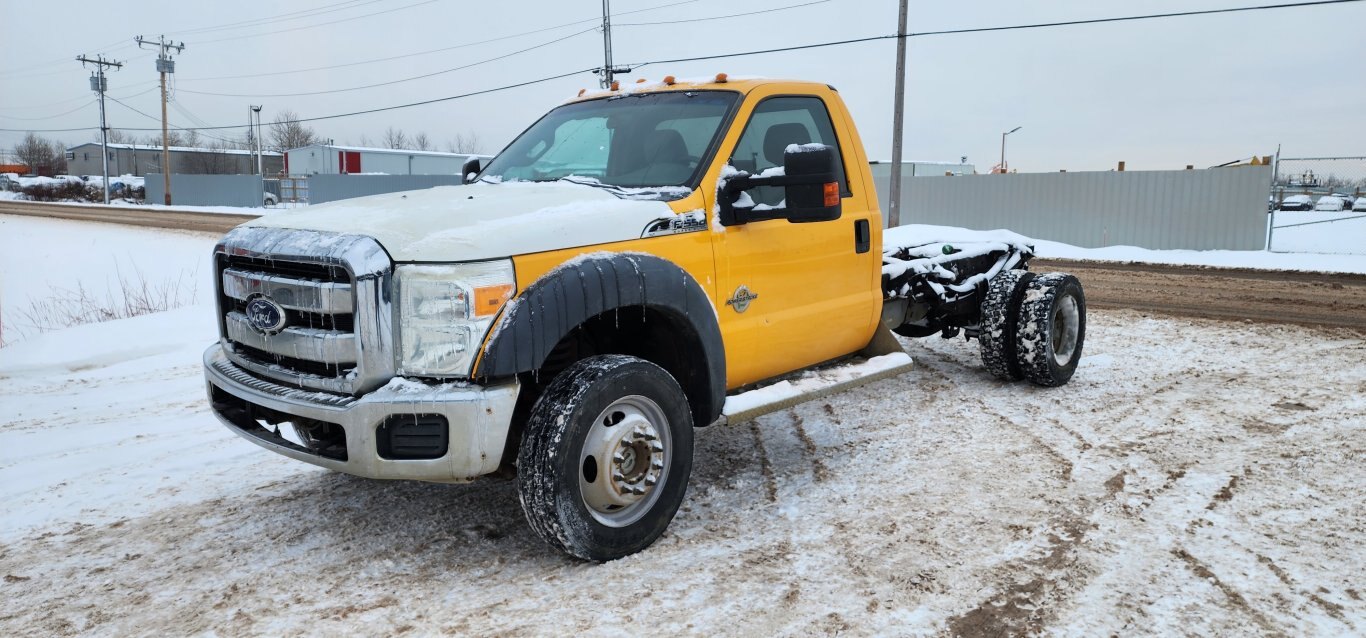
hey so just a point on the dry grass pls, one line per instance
(132, 296)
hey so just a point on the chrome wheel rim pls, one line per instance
(625, 461)
(1063, 330)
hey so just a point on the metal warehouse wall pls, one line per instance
(206, 190)
(328, 188)
(1200, 210)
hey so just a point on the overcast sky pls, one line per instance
(1159, 94)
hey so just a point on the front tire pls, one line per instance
(1051, 329)
(605, 457)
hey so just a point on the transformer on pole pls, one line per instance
(165, 64)
(100, 84)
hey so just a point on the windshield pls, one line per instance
(632, 141)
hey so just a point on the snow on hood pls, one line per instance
(480, 221)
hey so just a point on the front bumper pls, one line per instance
(477, 417)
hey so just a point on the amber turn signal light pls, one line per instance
(832, 194)
(488, 299)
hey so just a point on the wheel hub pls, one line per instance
(625, 457)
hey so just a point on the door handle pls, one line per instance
(862, 238)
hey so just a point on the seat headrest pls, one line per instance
(779, 136)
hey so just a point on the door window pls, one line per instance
(776, 123)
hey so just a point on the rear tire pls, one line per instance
(1000, 312)
(1051, 329)
(605, 457)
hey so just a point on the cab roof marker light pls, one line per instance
(582, 91)
(721, 78)
(616, 85)
(669, 80)
(640, 81)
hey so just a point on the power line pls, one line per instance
(733, 15)
(314, 26)
(744, 53)
(392, 82)
(1290, 5)
(430, 51)
(284, 17)
(70, 100)
(35, 119)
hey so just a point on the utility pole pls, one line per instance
(898, 109)
(99, 84)
(165, 64)
(608, 70)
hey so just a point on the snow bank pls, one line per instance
(1254, 259)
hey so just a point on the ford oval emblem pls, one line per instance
(266, 316)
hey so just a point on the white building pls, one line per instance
(328, 159)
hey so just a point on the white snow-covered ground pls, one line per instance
(1196, 477)
(42, 258)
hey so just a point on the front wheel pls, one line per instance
(605, 457)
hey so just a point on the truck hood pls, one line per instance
(480, 221)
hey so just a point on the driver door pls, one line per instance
(794, 295)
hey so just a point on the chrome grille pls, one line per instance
(334, 292)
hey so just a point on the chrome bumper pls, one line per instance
(478, 418)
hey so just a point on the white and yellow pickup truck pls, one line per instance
(592, 295)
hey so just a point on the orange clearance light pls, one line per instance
(488, 299)
(721, 78)
(616, 85)
(669, 80)
(582, 91)
(832, 194)
(640, 81)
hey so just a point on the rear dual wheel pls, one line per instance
(1033, 327)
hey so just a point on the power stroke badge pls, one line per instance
(264, 315)
(740, 300)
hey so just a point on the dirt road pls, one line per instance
(1315, 299)
(1195, 478)
(171, 218)
(1222, 293)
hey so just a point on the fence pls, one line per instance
(329, 188)
(1316, 206)
(1200, 210)
(206, 190)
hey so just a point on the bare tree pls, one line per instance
(41, 156)
(212, 160)
(191, 138)
(287, 133)
(421, 142)
(117, 136)
(464, 143)
(394, 138)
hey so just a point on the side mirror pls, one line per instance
(470, 170)
(810, 182)
(815, 197)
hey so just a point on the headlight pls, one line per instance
(444, 313)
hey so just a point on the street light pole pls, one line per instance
(1003, 147)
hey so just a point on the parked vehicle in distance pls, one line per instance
(1329, 203)
(1360, 205)
(9, 182)
(1297, 202)
(270, 199)
(1346, 200)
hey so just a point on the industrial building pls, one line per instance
(910, 168)
(140, 159)
(327, 159)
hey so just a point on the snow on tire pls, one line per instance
(605, 457)
(1051, 329)
(999, 318)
